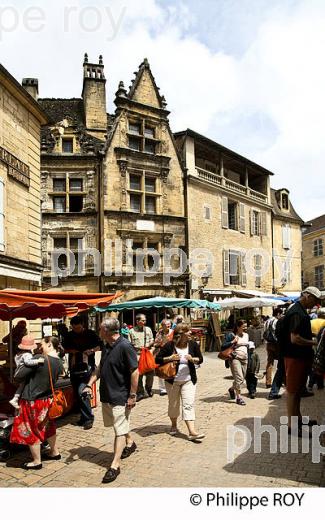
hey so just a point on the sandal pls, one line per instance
(197, 437)
(240, 401)
(173, 432)
(110, 475)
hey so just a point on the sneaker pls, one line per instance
(231, 393)
(150, 393)
(275, 396)
(110, 475)
(140, 397)
(252, 395)
(88, 425)
(163, 392)
(128, 450)
(240, 401)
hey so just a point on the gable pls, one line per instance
(145, 90)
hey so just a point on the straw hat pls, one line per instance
(27, 343)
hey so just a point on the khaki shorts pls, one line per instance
(117, 417)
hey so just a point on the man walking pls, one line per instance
(142, 337)
(272, 347)
(296, 344)
(81, 344)
(118, 373)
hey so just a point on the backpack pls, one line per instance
(269, 335)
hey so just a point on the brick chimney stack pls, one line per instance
(94, 98)
(31, 85)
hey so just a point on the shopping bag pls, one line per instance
(146, 361)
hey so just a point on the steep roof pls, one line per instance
(315, 224)
(58, 109)
(279, 212)
(145, 78)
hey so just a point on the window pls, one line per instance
(234, 268)
(286, 236)
(59, 185)
(285, 201)
(319, 276)
(67, 145)
(232, 215)
(258, 270)
(145, 201)
(75, 184)
(318, 247)
(73, 244)
(286, 271)
(135, 202)
(142, 137)
(145, 255)
(150, 205)
(59, 204)
(258, 223)
(71, 199)
(207, 212)
(135, 182)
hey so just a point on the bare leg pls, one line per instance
(54, 449)
(174, 423)
(35, 450)
(129, 440)
(119, 445)
(191, 427)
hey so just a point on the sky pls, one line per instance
(248, 74)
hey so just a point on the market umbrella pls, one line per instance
(242, 303)
(160, 302)
(46, 304)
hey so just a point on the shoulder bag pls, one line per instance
(59, 403)
(167, 370)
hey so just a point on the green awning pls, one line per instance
(160, 302)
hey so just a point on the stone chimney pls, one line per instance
(94, 98)
(31, 85)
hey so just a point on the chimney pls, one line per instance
(94, 98)
(31, 85)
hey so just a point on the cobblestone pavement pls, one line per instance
(162, 460)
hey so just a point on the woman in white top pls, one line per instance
(238, 362)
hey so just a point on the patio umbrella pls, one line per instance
(160, 302)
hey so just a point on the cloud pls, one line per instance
(252, 79)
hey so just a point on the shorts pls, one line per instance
(296, 370)
(117, 417)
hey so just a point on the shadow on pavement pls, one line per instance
(90, 454)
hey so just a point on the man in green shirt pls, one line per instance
(141, 337)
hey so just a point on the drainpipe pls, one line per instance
(100, 213)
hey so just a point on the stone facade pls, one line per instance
(313, 256)
(20, 216)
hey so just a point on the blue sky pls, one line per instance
(247, 73)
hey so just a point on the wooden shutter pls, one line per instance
(226, 276)
(224, 212)
(242, 217)
(263, 223)
(251, 219)
(258, 268)
(289, 235)
(243, 269)
(286, 238)
(2, 217)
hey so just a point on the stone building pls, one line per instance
(287, 243)
(143, 193)
(71, 174)
(20, 217)
(313, 253)
(235, 216)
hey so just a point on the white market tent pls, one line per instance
(242, 303)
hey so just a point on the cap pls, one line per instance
(313, 291)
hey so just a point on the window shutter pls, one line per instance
(263, 223)
(286, 236)
(258, 268)
(224, 212)
(251, 214)
(289, 235)
(242, 217)
(226, 277)
(243, 269)
(2, 217)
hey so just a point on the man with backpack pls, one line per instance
(272, 347)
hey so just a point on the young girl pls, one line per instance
(25, 358)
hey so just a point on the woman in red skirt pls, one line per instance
(32, 426)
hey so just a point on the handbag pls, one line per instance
(146, 361)
(167, 371)
(59, 403)
(226, 354)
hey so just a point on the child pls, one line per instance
(25, 358)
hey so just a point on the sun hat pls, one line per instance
(313, 291)
(27, 343)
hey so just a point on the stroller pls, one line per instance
(5, 429)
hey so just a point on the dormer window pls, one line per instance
(67, 145)
(284, 201)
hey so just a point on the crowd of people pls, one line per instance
(290, 338)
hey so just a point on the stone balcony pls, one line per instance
(235, 187)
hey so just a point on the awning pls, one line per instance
(161, 302)
(243, 303)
